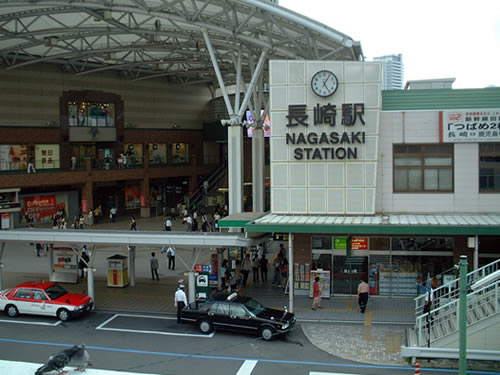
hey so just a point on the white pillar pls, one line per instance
(131, 265)
(290, 272)
(191, 280)
(90, 284)
(476, 253)
(235, 168)
(258, 161)
(2, 246)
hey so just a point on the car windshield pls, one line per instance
(55, 291)
(254, 307)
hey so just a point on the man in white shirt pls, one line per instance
(168, 225)
(171, 257)
(189, 221)
(180, 301)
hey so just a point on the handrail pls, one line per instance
(481, 304)
(212, 181)
(446, 291)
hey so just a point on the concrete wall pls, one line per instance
(30, 97)
(423, 127)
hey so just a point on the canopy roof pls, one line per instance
(143, 39)
(394, 224)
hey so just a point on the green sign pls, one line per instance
(340, 243)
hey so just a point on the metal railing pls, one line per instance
(213, 179)
(449, 290)
(443, 320)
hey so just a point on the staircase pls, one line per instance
(436, 334)
(196, 199)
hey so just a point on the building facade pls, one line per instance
(436, 189)
(393, 71)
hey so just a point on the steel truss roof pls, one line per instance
(143, 39)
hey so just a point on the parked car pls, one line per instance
(238, 313)
(44, 298)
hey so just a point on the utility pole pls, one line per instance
(462, 316)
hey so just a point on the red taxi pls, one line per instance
(44, 298)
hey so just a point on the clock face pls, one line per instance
(324, 83)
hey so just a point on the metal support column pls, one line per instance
(90, 284)
(235, 168)
(131, 265)
(290, 272)
(476, 253)
(462, 317)
(2, 247)
(258, 168)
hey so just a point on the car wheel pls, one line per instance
(267, 333)
(12, 311)
(63, 314)
(205, 326)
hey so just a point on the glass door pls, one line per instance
(347, 272)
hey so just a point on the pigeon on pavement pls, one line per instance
(81, 358)
(58, 361)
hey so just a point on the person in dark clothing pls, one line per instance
(263, 267)
(133, 223)
(84, 261)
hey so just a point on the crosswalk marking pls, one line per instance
(246, 368)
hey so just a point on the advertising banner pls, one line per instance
(39, 208)
(472, 125)
(359, 244)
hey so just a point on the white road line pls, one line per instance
(33, 323)
(25, 368)
(246, 368)
(103, 328)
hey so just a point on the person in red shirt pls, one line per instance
(316, 294)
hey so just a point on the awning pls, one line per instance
(239, 220)
(434, 224)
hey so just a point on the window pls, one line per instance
(180, 153)
(422, 244)
(23, 293)
(91, 114)
(423, 168)
(220, 308)
(489, 167)
(39, 295)
(238, 311)
(321, 243)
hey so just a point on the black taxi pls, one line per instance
(238, 313)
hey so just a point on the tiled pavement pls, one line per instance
(338, 328)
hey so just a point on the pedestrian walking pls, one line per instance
(223, 269)
(255, 268)
(189, 222)
(81, 221)
(284, 272)
(237, 275)
(180, 301)
(133, 223)
(363, 290)
(316, 294)
(263, 267)
(168, 225)
(31, 165)
(83, 263)
(171, 251)
(277, 270)
(112, 214)
(154, 266)
(246, 266)
(38, 249)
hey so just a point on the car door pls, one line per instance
(219, 313)
(241, 319)
(40, 303)
(22, 300)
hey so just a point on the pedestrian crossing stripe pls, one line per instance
(26, 368)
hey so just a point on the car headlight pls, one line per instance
(285, 326)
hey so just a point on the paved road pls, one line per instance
(155, 344)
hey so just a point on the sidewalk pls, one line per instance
(338, 328)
